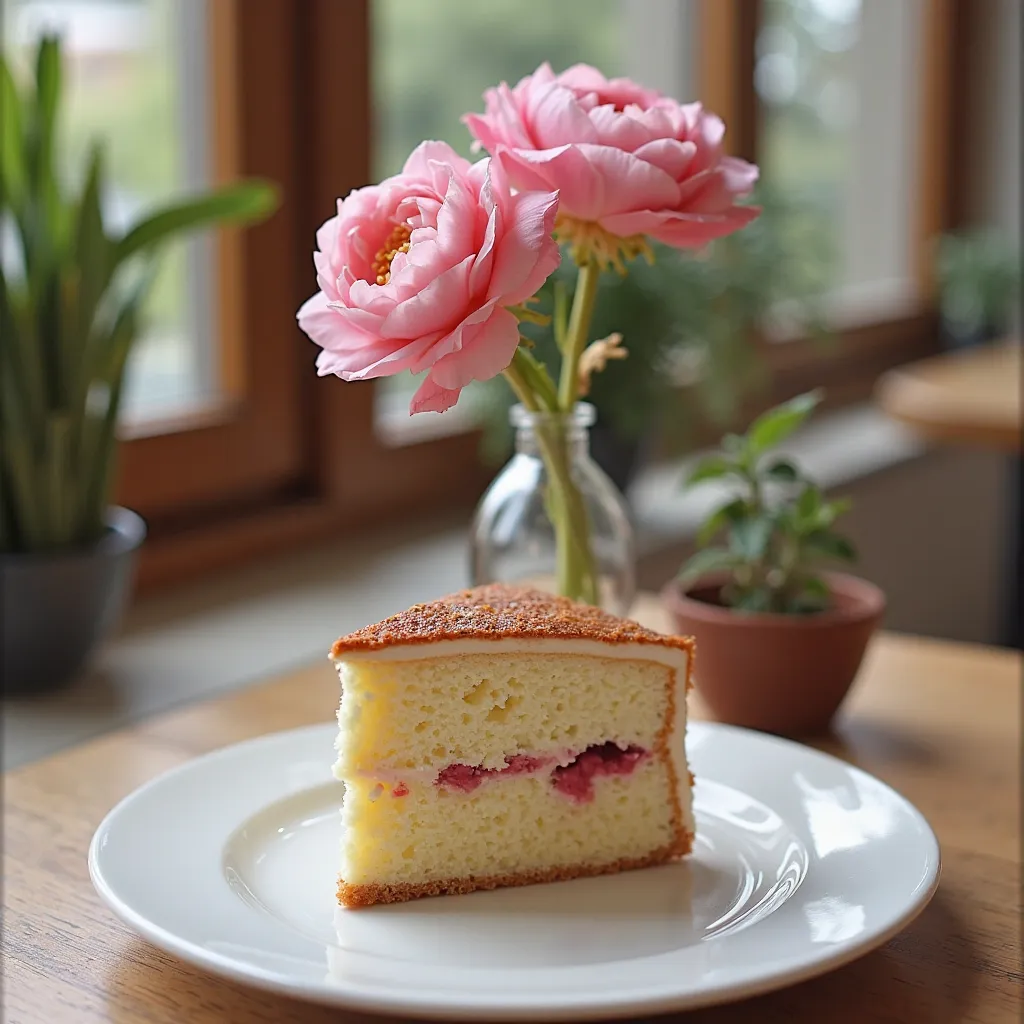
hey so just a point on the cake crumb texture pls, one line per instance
(353, 896)
(509, 826)
(499, 611)
(480, 709)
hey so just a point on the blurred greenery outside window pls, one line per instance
(135, 76)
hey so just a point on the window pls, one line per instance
(184, 95)
(839, 96)
(233, 447)
(136, 76)
(847, 105)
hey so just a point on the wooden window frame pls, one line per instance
(293, 458)
(851, 364)
(286, 457)
(248, 442)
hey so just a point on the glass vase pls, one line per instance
(553, 518)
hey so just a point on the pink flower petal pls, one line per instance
(654, 155)
(372, 297)
(671, 155)
(617, 128)
(558, 120)
(359, 319)
(437, 306)
(481, 273)
(317, 319)
(581, 188)
(385, 358)
(682, 230)
(426, 154)
(453, 340)
(629, 183)
(501, 122)
(527, 254)
(487, 348)
(327, 275)
(430, 397)
(617, 91)
(456, 224)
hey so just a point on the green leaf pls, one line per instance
(812, 512)
(13, 171)
(711, 468)
(777, 424)
(93, 249)
(782, 469)
(720, 517)
(749, 537)
(757, 599)
(812, 596)
(51, 221)
(826, 544)
(708, 560)
(245, 201)
(16, 437)
(816, 587)
(58, 485)
(107, 369)
(48, 87)
(830, 511)
(807, 506)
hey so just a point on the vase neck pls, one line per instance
(568, 431)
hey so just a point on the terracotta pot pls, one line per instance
(785, 674)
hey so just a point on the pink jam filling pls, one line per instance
(576, 779)
(400, 790)
(467, 777)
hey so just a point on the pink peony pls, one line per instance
(416, 273)
(627, 161)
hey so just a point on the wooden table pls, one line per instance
(939, 721)
(970, 397)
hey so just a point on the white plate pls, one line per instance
(802, 863)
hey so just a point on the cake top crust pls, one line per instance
(499, 611)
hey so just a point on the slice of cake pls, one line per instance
(502, 736)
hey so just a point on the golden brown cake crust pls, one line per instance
(353, 896)
(499, 612)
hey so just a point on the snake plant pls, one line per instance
(71, 297)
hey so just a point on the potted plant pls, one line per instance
(979, 285)
(779, 641)
(71, 302)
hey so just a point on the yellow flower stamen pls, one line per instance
(586, 238)
(396, 242)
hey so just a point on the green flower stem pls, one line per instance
(579, 328)
(574, 559)
(533, 386)
(535, 379)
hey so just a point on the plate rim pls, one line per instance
(425, 1006)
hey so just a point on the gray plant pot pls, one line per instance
(57, 607)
